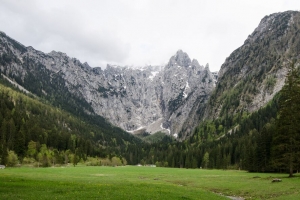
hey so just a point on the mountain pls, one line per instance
(234, 112)
(172, 98)
(186, 89)
(27, 121)
(167, 98)
(19, 66)
(255, 72)
(239, 128)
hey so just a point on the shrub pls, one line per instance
(12, 159)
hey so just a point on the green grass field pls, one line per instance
(142, 183)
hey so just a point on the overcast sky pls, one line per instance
(137, 32)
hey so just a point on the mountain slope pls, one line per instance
(151, 99)
(240, 122)
(24, 119)
(255, 72)
(30, 69)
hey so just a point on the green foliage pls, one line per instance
(12, 159)
(156, 137)
(286, 141)
(37, 131)
(255, 64)
(75, 158)
(32, 149)
(51, 88)
(205, 160)
(114, 161)
(270, 83)
(161, 164)
(231, 139)
(242, 141)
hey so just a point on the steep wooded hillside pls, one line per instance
(25, 119)
(150, 98)
(239, 129)
(255, 72)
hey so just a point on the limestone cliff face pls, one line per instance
(172, 98)
(255, 72)
(186, 85)
(153, 98)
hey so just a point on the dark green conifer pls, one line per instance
(286, 140)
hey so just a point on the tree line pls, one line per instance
(263, 141)
(57, 136)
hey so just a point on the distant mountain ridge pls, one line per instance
(172, 98)
(151, 99)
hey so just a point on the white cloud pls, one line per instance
(129, 32)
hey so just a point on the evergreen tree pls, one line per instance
(3, 144)
(32, 149)
(286, 141)
(20, 147)
(75, 158)
(205, 160)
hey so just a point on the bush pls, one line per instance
(28, 160)
(12, 159)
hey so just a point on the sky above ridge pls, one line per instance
(137, 32)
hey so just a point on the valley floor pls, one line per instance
(132, 182)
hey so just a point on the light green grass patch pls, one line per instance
(141, 183)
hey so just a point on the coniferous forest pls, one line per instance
(263, 141)
(249, 121)
(33, 131)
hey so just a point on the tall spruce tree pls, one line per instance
(286, 140)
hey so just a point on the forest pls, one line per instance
(268, 140)
(32, 131)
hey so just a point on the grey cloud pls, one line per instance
(65, 30)
(129, 32)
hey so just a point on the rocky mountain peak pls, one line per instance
(2, 33)
(30, 48)
(196, 65)
(86, 65)
(207, 66)
(57, 54)
(97, 70)
(256, 71)
(274, 23)
(147, 98)
(272, 30)
(180, 59)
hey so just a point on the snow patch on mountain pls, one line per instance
(153, 74)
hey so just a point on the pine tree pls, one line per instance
(205, 160)
(20, 147)
(286, 140)
(3, 143)
(264, 139)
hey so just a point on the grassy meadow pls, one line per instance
(130, 182)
